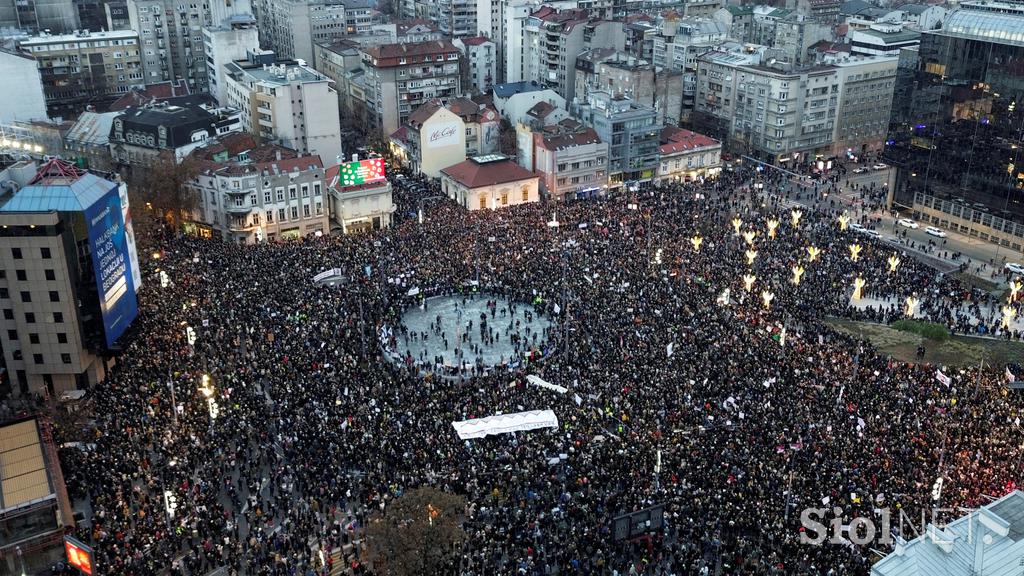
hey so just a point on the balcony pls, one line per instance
(239, 210)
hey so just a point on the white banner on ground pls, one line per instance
(413, 291)
(505, 423)
(535, 380)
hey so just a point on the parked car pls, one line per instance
(856, 227)
(880, 166)
(933, 231)
(858, 170)
(1015, 268)
(873, 233)
(908, 223)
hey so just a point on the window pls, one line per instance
(526, 193)
(295, 212)
(30, 317)
(319, 208)
(12, 335)
(37, 358)
(504, 198)
(8, 314)
(316, 189)
(280, 194)
(16, 253)
(65, 358)
(45, 253)
(62, 338)
(54, 296)
(305, 210)
(58, 317)
(280, 214)
(20, 274)
(33, 338)
(270, 216)
(266, 197)
(252, 199)
(291, 192)
(305, 190)
(26, 296)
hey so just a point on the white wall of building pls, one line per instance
(442, 142)
(22, 89)
(224, 45)
(492, 197)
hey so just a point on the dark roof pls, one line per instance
(915, 9)
(541, 110)
(569, 139)
(233, 144)
(137, 98)
(403, 26)
(513, 88)
(853, 7)
(404, 50)
(475, 41)
(474, 174)
(179, 122)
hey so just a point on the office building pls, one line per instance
(22, 91)
(631, 130)
(292, 27)
(36, 16)
(401, 77)
(866, 87)
(957, 145)
(619, 73)
(225, 43)
(86, 68)
(251, 193)
(287, 103)
(882, 39)
(64, 314)
(456, 18)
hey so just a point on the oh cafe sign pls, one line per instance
(445, 134)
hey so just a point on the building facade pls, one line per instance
(260, 194)
(288, 104)
(489, 182)
(359, 208)
(401, 77)
(866, 87)
(86, 68)
(570, 160)
(481, 63)
(22, 91)
(232, 40)
(631, 131)
(686, 155)
(140, 135)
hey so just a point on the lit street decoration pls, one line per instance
(798, 271)
(749, 236)
(751, 254)
(773, 223)
(696, 242)
(795, 216)
(911, 306)
(894, 262)
(1015, 286)
(165, 280)
(812, 253)
(737, 224)
(858, 285)
(855, 252)
(766, 299)
(1008, 315)
(748, 282)
(843, 221)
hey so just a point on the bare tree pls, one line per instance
(163, 188)
(507, 138)
(418, 533)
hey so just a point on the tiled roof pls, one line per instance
(424, 112)
(475, 41)
(151, 93)
(473, 174)
(568, 140)
(541, 110)
(411, 49)
(674, 140)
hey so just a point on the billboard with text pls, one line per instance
(113, 263)
(361, 172)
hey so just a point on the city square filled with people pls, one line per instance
(699, 373)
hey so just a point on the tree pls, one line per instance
(163, 188)
(418, 533)
(507, 139)
(386, 7)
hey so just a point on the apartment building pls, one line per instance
(631, 131)
(686, 155)
(287, 103)
(442, 133)
(23, 92)
(866, 92)
(456, 18)
(621, 73)
(171, 37)
(86, 68)
(777, 114)
(232, 40)
(139, 135)
(251, 193)
(481, 63)
(570, 159)
(401, 77)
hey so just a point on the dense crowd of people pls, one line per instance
(684, 388)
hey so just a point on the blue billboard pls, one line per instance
(113, 261)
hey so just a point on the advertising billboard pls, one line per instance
(361, 172)
(444, 134)
(79, 555)
(113, 263)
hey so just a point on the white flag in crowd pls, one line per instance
(668, 349)
(942, 378)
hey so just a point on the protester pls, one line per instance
(755, 413)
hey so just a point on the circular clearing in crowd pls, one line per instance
(470, 331)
